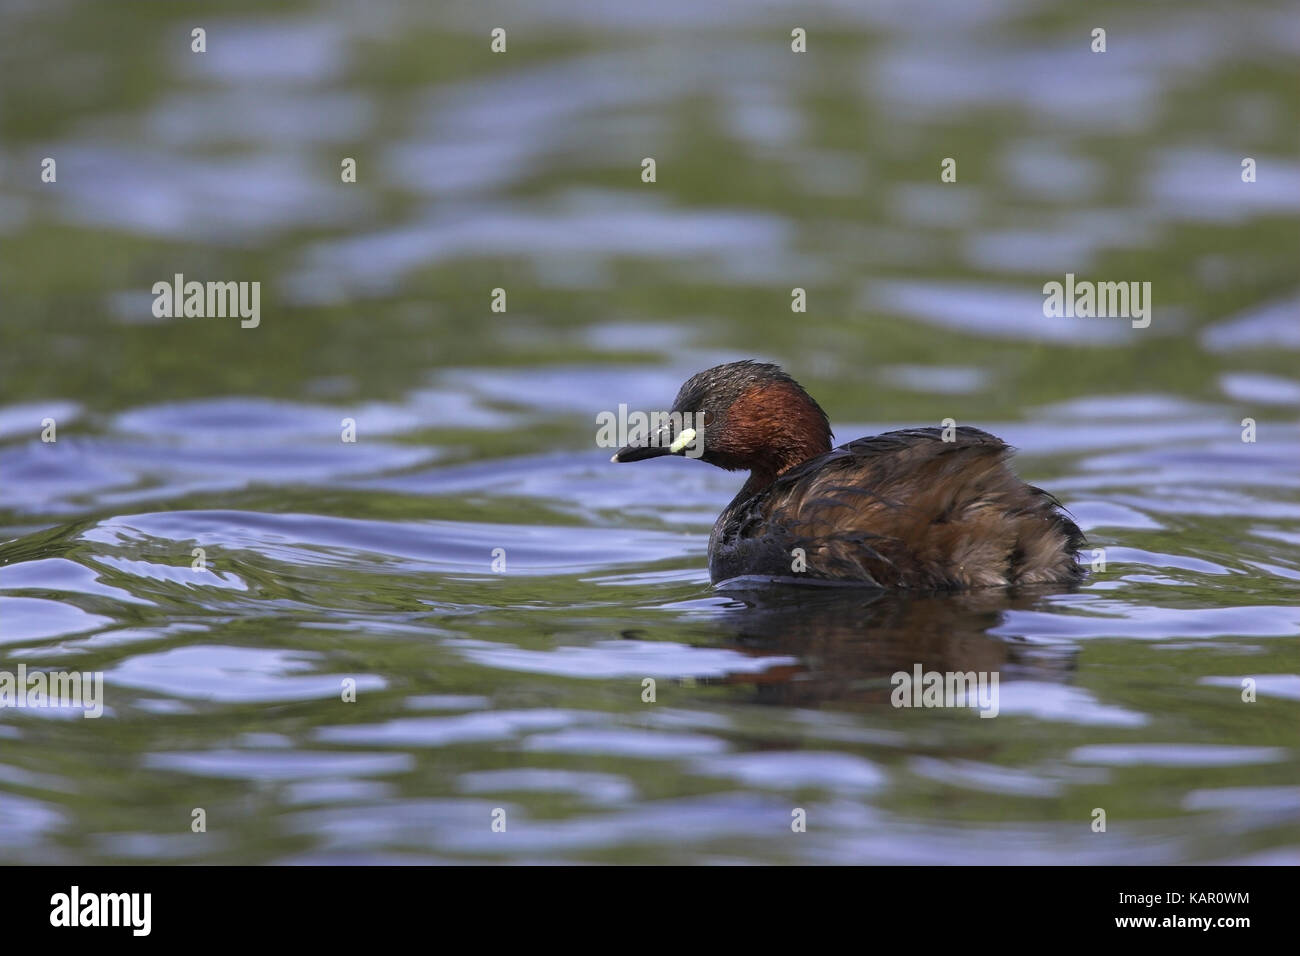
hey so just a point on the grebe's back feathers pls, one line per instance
(901, 509)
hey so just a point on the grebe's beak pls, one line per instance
(663, 443)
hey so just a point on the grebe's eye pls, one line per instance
(708, 417)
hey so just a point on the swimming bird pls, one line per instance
(924, 508)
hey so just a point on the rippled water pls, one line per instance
(521, 688)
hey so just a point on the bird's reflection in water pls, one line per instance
(849, 642)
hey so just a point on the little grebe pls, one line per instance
(907, 509)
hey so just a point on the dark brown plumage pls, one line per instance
(905, 509)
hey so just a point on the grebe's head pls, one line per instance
(749, 415)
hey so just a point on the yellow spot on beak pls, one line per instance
(682, 440)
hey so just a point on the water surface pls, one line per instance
(521, 688)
